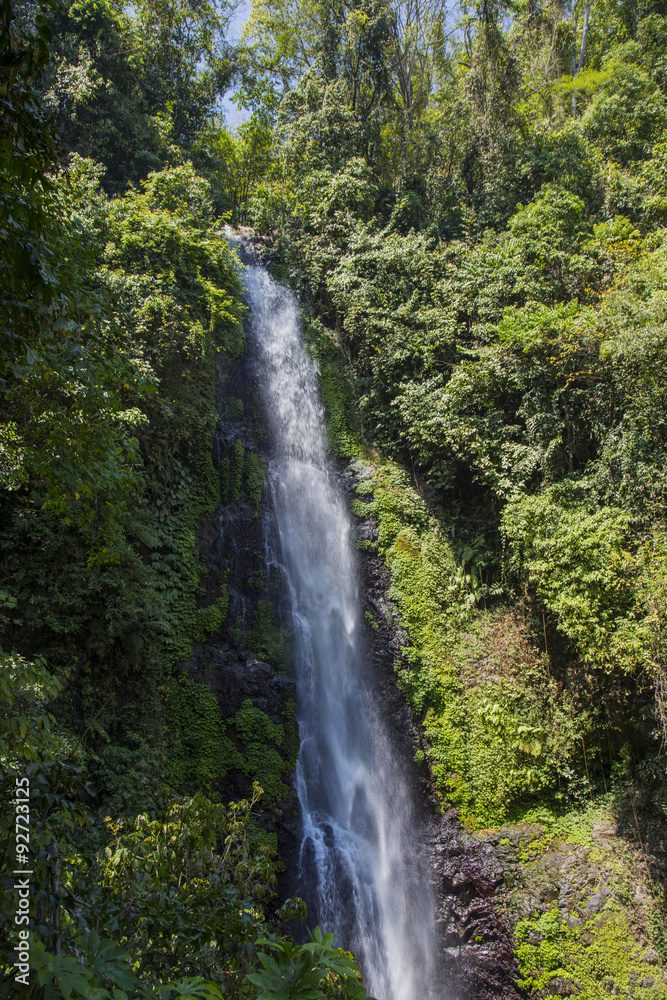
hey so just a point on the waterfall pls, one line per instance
(360, 859)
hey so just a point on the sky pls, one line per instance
(234, 115)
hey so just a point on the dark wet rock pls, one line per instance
(232, 680)
(231, 545)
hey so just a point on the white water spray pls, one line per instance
(360, 854)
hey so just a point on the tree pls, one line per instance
(133, 90)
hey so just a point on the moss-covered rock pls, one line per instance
(514, 736)
(588, 920)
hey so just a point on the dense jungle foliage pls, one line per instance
(119, 295)
(472, 210)
(471, 205)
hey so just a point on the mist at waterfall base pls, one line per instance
(361, 867)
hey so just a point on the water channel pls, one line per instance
(360, 864)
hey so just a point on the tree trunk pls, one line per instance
(584, 35)
(578, 63)
(52, 852)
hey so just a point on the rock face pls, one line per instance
(521, 911)
(477, 941)
(496, 890)
(582, 910)
(477, 953)
(244, 660)
(477, 957)
(233, 678)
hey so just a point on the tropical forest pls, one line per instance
(333, 499)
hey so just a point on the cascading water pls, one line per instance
(360, 857)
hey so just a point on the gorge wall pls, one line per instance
(506, 892)
(246, 665)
